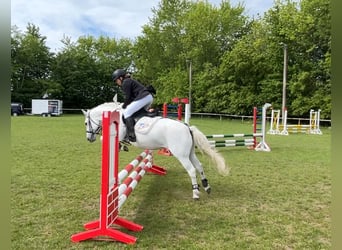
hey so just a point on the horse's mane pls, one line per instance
(107, 106)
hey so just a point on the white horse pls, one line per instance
(157, 133)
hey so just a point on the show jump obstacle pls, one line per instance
(284, 129)
(179, 107)
(249, 140)
(115, 189)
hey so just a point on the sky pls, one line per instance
(113, 18)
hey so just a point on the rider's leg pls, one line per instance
(135, 106)
(129, 114)
(129, 121)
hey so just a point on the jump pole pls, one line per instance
(274, 126)
(249, 142)
(311, 128)
(113, 192)
(179, 101)
(315, 122)
(262, 146)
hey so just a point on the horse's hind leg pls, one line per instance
(199, 167)
(187, 164)
(195, 187)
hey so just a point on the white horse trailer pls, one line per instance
(47, 107)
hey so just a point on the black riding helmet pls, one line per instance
(118, 73)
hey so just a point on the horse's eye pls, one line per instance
(85, 123)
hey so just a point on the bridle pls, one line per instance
(90, 129)
(89, 122)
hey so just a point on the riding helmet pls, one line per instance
(118, 73)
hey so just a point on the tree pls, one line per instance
(84, 69)
(237, 62)
(31, 62)
(183, 30)
(306, 29)
(311, 83)
(252, 72)
(244, 71)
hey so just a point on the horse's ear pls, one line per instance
(115, 98)
(84, 111)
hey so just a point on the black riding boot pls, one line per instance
(130, 128)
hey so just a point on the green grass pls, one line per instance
(271, 200)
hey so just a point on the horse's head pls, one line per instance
(93, 119)
(93, 124)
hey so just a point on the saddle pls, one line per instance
(142, 129)
(142, 112)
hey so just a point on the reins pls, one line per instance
(99, 128)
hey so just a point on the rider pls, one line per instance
(136, 97)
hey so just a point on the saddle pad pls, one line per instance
(144, 125)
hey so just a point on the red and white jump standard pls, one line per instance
(114, 188)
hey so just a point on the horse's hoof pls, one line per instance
(208, 190)
(195, 194)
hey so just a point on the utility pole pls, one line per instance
(190, 80)
(284, 84)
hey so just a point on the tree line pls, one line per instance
(234, 61)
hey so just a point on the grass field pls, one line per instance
(271, 200)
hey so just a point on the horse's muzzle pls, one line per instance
(91, 138)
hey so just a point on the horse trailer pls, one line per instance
(47, 107)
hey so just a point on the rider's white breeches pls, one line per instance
(137, 105)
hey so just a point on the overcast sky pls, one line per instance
(112, 18)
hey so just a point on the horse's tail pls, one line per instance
(202, 143)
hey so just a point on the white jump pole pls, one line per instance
(262, 146)
(284, 131)
(274, 127)
(187, 114)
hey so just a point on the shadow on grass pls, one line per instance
(167, 210)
